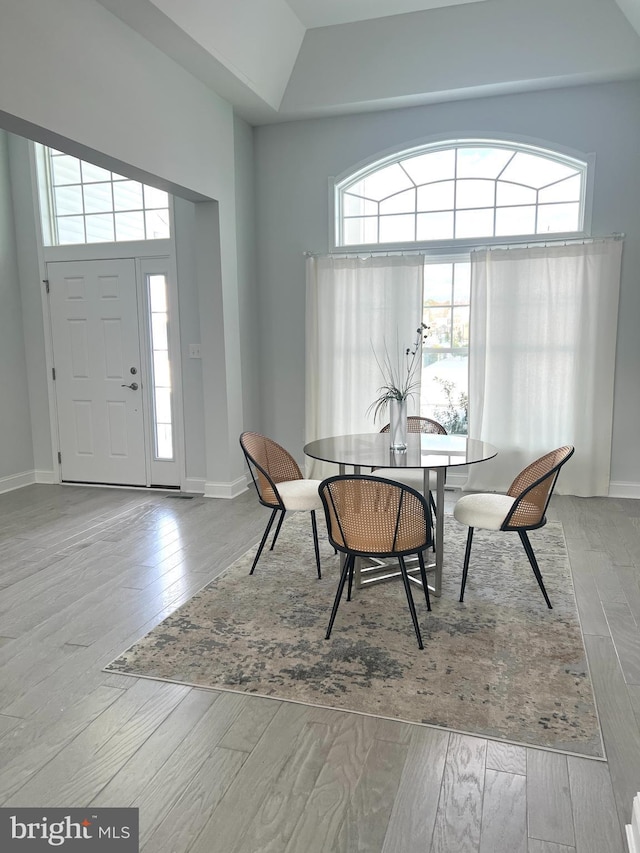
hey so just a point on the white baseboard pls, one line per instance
(624, 490)
(619, 489)
(226, 490)
(17, 481)
(456, 481)
(195, 485)
(633, 828)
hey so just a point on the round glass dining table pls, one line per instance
(430, 452)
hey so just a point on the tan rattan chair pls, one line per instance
(415, 423)
(280, 486)
(522, 508)
(371, 517)
(414, 477)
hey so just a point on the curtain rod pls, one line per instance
(450, 248)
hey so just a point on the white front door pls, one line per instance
(97, 364)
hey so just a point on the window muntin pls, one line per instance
(464, 191)
(83, 203)
(445, 353)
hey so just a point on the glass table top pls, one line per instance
(424, 450)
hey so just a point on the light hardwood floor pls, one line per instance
(85, 572)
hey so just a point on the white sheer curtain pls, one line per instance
(541, 360)
(355, 306)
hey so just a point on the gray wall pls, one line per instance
(189, 308)
(457, 51)
(74, 76)
(247, 276)
(30, 287)
(294, 162)
(16, 453)
(70, 67)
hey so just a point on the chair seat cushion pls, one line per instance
(300, 494)
(487, 510)
(413, 477)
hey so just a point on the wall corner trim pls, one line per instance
(195, 485)
(225, 490)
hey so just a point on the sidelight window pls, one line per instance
(160, 366)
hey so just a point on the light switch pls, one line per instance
(194, 351)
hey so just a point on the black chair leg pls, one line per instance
(412, 607)
(423, 576)
(534, 564)
(343, 578)
(350, 587)
(280, 520)
(264, 539)
(314, 526)
(465, 569)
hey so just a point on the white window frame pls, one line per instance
(47, 206)
(579, 160)
(162, 266)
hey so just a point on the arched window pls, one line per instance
(448, 197)
(461, 190)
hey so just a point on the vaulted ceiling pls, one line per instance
(275, 60)
(326, 13)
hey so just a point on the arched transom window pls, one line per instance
(461, 190)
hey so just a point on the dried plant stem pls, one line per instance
(398, 386)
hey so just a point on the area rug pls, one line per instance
(500, 665)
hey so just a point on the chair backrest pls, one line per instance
(532, 489)
(369, 515)
(418, 424)
(269, 464)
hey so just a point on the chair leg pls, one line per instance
(280, 520)
(343, 577)
(412, 607)
(264, 539)
(314, 526)
(465, 569)
(350, 587)
(433, 512)
(423, 576)
(534, 564)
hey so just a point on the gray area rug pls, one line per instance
(500, 665)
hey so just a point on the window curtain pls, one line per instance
(541, 360)
(355, 308)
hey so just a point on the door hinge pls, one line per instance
(53, 373)
(59, 458)
(45, 281)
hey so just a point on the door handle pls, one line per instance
(134, 386)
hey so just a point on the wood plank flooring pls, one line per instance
(85, 572)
